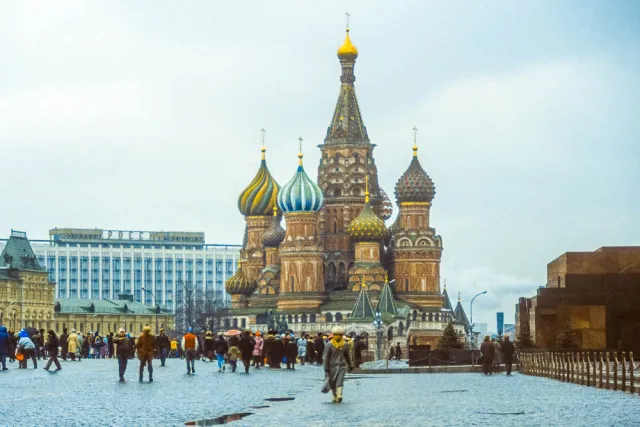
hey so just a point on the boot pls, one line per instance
(339, 393)
(335, 396)
(150, 377)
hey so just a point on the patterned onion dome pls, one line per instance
(367, 226)
(239, 283)
(260, 196)
(386, 209)
(274, 235)
(415, 185)
(347, 50)
(300, 194)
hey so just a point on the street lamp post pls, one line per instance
(473, 342)
(378, 323)
(154, 303)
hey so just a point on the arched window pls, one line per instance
(235, 323)
(312, 318)
(437, 317)
(295, 319)
(400, 329)
(304, 318)
(329, 317)
(406, 285)
(227, 324)
(424, 316)
(290, 319)
(390, 333)
(415, 315)
(338, 317)
(430, 317)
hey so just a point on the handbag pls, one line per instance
(19, 357)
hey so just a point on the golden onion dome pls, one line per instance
(347, 50)
(239, 283)
(259, 197)
(367, 226)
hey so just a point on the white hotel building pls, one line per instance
(151, 266)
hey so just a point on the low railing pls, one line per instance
(601, 369)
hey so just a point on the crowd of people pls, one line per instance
(495, 352)
(335, 352)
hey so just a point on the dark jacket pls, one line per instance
(318, 345)
(4, 340)
(277, 351)
(162, 341)
(64, 341)
(487, 350)
(209, 344)
(246, 348)
(221, 345)
(52, 345)
(291, 351)
(123, 346)
(507, 350)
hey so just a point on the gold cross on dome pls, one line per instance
(347, 16)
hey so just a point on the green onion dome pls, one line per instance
(239, 283)
(415, 185)
(260, 196)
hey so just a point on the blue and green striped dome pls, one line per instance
(300, 194)
(259, 198)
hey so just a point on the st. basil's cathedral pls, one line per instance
(337, 262)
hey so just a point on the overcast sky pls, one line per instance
(146, 115)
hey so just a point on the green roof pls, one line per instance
(386, 303)
(17, 254)
(105, 306)
(363, 308)
(447, 301)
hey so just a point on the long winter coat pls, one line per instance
(73, 343)
(497, 353)
(336, 363)
(221, 346)
(64, 341)
(257, 347)
(146, 346)
(302, 347)
(291, 350)
(52, 345)
(276, 351)
(4, 341)
(246, 347)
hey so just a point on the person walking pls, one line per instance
(221, 347)
(247, 345)
(146, 351)
(110, 347)
(291, 351)
(507, 352)
(318, 346)
(64, 344)
(487, 349)
(52, 349)
(257, 350)
(337, 361)
(398, 351)
(190, 346)
(497, 354)
(276, 352)
(72, 344)
(164, 345)
(234, 353)
(209, 346)
(123, 350)
(4, 347)
(27, 348)
(302, 348)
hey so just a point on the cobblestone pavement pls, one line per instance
(88, 393)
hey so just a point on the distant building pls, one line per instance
(102, 264)
(481, 329)
(105, 316)
(592, 296)
(26, 293)
(510, 331)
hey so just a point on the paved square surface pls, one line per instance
(88, 393)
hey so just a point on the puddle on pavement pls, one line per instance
(219, 420)
(279, 399)
(454, 391)
(260, 407)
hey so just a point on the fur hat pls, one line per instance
(209, 333)
(337, 330)
(146, 329)
(220, 334)
(121, 331)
